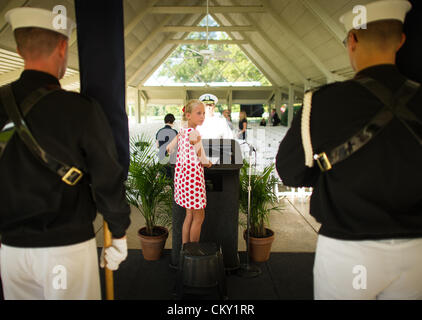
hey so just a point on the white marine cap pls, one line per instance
(375, 11)
(26, 17)
(208, 98)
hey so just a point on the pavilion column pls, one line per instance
(230, 101)
(144, 110)
(186, 98)
(277, 102)
(143, 102)
(138, 107)
(127, 108)
(308, 85)
(290, 105)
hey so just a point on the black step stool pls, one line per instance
(201, 267)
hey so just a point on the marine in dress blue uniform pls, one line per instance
(370, 204)
(44, 222)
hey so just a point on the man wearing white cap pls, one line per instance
(57, 155)
(360, 150)
(213, 127)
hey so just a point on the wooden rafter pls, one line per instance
(276, 47)
(296, 41)
(257, 50)
(10, 5)
(204, 29)
(151, 36)
(199, 42)
(166, 55)
(158, 50)
(328, 22)
(147, 9)
(203, 10)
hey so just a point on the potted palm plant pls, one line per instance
(263, 202)
(150, 191)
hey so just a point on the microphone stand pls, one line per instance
(247, 270)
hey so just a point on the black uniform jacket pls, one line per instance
(377, 192)
(37, 209)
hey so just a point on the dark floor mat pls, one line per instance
(285, 276)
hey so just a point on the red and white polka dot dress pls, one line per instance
(189, 182)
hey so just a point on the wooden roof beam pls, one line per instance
(296, 41)
(147, 40)
(158, 50)
(128, 28)
(276, 47)
(10, 5)
(139, 17)
(164, 58)
(251, 58)
(199, 42)
(10, 76)
(203, 9)
(328, 22)
(260, 53)
(204, 29)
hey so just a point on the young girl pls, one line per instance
(189, 182)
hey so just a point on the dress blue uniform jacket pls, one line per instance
(377, 192)
(37, 209)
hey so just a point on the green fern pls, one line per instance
(148, 188)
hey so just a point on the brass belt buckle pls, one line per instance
(73, 176)
(323, 162)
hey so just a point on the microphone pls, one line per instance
(251, 147)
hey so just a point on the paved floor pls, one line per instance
(295, 229)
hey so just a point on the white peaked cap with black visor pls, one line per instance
(375, 11)
(40, 18)
(208, 98)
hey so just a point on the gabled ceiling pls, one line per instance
(296, 42)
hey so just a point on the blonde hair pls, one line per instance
(242, 115)
(190, 106)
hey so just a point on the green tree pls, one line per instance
(186, 65)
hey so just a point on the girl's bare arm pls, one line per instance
(199, 149)
(170, 147)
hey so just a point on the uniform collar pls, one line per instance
(39, 77)
(377, 70)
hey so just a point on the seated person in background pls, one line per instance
(164, 136)
(226, 114)
(263, 122)
(275, 119)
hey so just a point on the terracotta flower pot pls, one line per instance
(152, 246)
(260, 248)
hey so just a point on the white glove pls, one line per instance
(114, 254)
